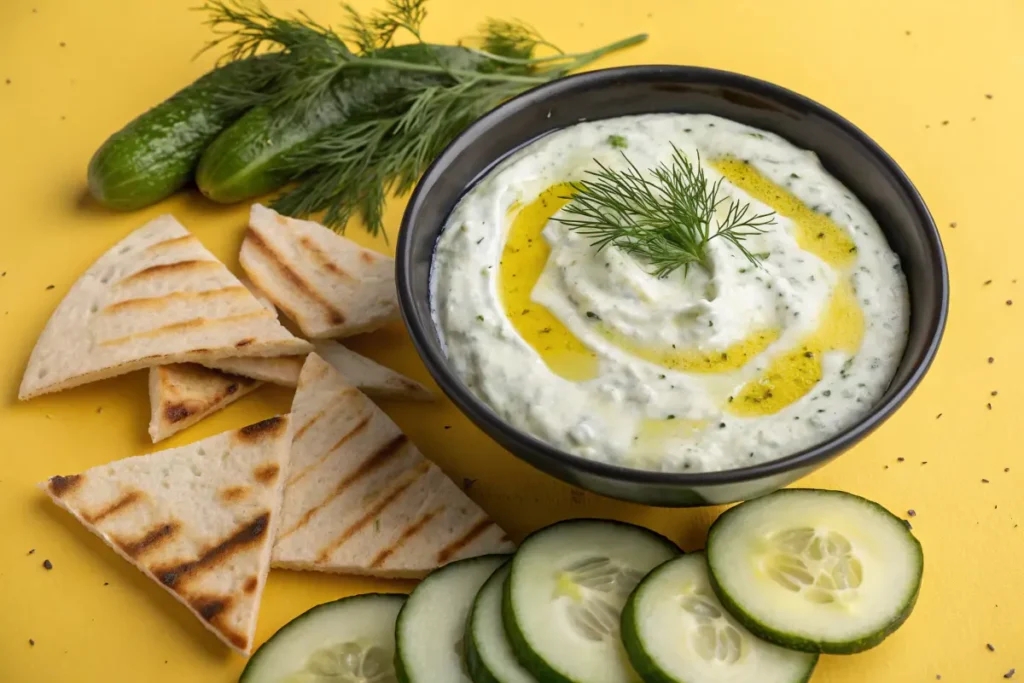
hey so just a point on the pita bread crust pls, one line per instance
(283, 370)
(372, 378)
(156, 297)
(199, 520)
(182, 394)
(330, 286)
(361, 499)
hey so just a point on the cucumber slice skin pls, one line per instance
(402, 672)
(643, 661)
(795, 642)
(476, 663)
(531, 661)
(252, 671)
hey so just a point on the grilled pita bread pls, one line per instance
(371, 378)
(329, 285)
(199, 520)
(361, 499)
(182, 394)
(283, 370)
(157, 297)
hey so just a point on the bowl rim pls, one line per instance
(478, 411)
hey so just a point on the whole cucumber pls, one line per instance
(247, 159)
(156, 153)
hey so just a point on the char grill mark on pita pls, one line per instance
(329, 285)
(182, 394)
(360, 498)
(156, 297)
(200, 520)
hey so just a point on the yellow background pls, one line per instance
(915, 75)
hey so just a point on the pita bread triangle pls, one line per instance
(361, 499)
(156, 297)
(283, 370)
(372, 378)
(182, 394)
(329, 285)
(199, 520)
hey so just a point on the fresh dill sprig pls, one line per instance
(665, 219)
(352, 167)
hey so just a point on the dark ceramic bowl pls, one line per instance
(846, 152)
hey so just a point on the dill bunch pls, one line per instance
(350, 169)
(665, 219)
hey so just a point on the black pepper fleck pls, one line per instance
(989, 406)
(31, 551)
(47, 565)
(987, 282)
(938, 416)
(911, 513)
(1009, 674)
(900, 459)
(31, 643)
(946, 123)
(995, 393)
(984, 481)
(953, 224)
(991, 360)
(988, 96)
(924, 462)
(1009, 302)
(991, 647)
(49, 286)
(447, 426)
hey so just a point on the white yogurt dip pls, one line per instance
(711, 369)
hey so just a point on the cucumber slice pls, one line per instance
(812, 570)
(489, 655)
(676, 631)
(351, 640)
(432, 624)
(564, 596)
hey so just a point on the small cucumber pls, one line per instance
(564, 596)
(156, 154)
(249, 158)
(813, 570)
(352, 639)
(676, 631)
(431, 627)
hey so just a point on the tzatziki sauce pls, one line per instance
(710, 368)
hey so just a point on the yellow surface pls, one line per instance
(914, 74)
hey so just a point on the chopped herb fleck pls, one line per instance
(670, 417)
(47, 565)
(593, 316)
(480, 318)
(617, 141)
(661, 376)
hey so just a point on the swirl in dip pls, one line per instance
(710, 369)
